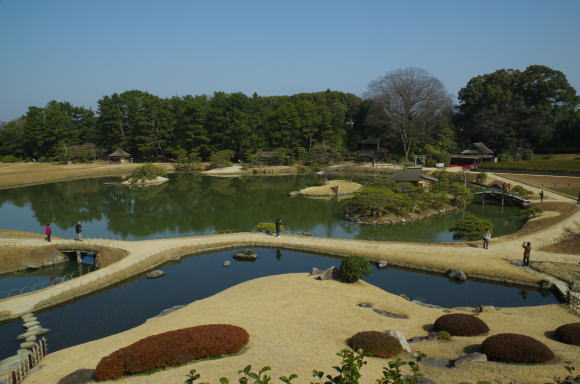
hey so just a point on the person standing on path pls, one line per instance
(542, 196)
(48, 232)
(527, 251)
(486, 239)
(278, 223)
(78, 230)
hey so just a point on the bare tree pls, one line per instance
(410, 99)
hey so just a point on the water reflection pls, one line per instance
(191, 204)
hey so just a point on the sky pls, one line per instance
(81, 50)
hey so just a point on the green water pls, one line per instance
(192, 204)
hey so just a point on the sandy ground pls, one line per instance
(23, 174)
(297, 324)
(345, 187)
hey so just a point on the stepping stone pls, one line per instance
(155, 274)
(25, 335)
(471, 358)
(34, 328)
(41, 331)
(389, 314)
(227, 263)
(416, 339)
(30, 324)
(30, 338)
(437, 362)
(365, 305)
(27, 345)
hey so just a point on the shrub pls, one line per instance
(444, 335)
(520, 191)
(514, 348)
(375, 343)
(171, 348)
(221, 159)
(569, 333)
(459, 324)
(9, 159)
(146, 172)
(353, 268)
(531, 212)
(481, 177)
(268, 227)
(471, 227)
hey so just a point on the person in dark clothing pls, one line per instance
(278, 223)
(78, 230)
(48, 232)
(541, 196)
(527, 251)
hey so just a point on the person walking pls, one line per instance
(48, 232)
(278, 223)
(486, 238)
(78, 230)
(527, 251)
(542, 196)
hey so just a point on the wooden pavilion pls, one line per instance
(120, 156)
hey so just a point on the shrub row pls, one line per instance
(537, 165)
(171, 348)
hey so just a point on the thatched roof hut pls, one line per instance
(119, 156)
(413, 175)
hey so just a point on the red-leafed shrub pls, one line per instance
(514, 348)
(459, 324)
(171, 348)
(375, 343)
(569, 333)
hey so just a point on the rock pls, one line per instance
(438, 362)
(247, 255)
(227, 263)
(27, 345)
(34, 328)
(486, 308)
(382, 264)
(456, 274)
(471, 358)
(405, 297)
(25, 335)
(425, 380)
(571, 379)
(330, 274)
(306, 234)
(28, 317)
(433, 336)
(575, 286)
(365, 305)
(390, 314)
(30, 338)
(316, 271)
(399, 336)
(416, 339)
(418, 302)
(30, 324)
(32, 267)
(155, 274)
(23, 352)
(40, 331)
(545, 283)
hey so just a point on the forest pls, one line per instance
(408, 110)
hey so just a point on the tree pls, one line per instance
(411, 100)
(510, 109)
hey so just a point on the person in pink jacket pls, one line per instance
(48, 232)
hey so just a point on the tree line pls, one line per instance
(408, 110)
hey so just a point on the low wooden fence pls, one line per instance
(37, 353)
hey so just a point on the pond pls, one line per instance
(197, 277)
(192, 204)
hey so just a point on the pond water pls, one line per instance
(197, 277)
(192, 204)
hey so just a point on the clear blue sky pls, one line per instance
(81, 50)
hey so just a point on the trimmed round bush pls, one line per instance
(514, 348)
(171, 348)
(569, 333)
(375, 343)
(353, 268)
(459, 324)
(9, 159)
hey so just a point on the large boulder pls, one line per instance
(247, 255)
(330, 274)
(155, 274)
(575, 286)
(456, 274)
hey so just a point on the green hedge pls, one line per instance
(537, 165)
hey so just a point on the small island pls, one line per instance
(331, 188)
(146, 175)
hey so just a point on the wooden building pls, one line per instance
(479, 153)
(414, 176)
(120, 156)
